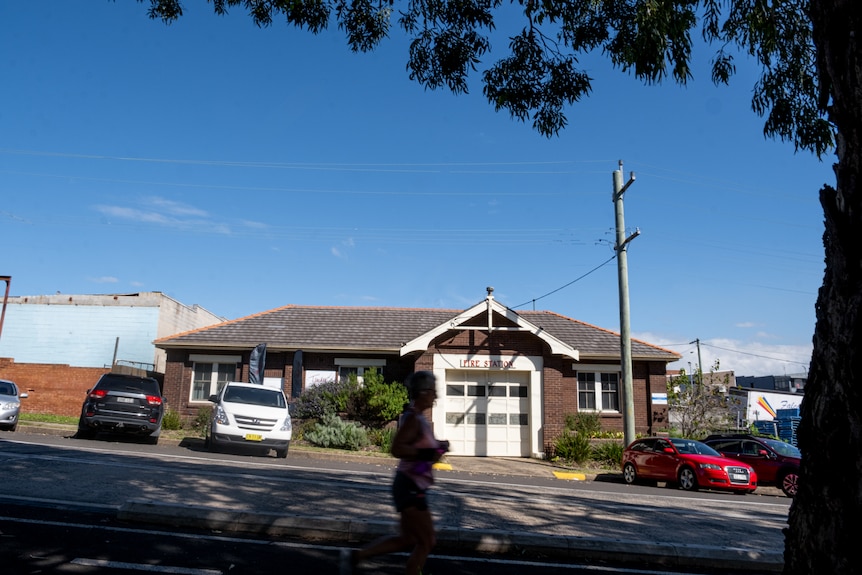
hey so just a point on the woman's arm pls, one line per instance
(408, 433)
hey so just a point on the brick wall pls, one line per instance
(55, 389)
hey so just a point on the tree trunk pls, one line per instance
(826, 516)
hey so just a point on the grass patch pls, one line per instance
(49, 418)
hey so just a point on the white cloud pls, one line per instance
(105, 280)
(742, 357)
(164, 212)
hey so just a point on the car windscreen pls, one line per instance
(7, 388)
(255, 396)
(783, 448)
(693, 447)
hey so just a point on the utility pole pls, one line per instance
(8, 280)
(625, 328)
(699, 364)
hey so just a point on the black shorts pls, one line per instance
(407, 494)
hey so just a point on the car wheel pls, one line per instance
(687, 479)
(281, 453)
(84, 432)
(790, 483)
(630, 474)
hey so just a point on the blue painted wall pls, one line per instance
(81, 336)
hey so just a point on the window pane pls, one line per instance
(610, 401)
(455, 390)
(496, 419)
(497, 391)
(517, 419)
(454, 418)
(226, 373)
(203, 374)
(476, 418)
(476, 390)
(518, 391)
(610, 392)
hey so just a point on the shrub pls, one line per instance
(609, 453)
(586, 424)
(379, 402)
(328, 398)
(333, 432)
(382, 438)
(171, 420)
(202, 420)
(373, 402)
(573, 447)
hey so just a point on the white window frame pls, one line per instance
(349, 364)
(598, 392)
(215, 383)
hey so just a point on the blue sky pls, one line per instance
(244, 169)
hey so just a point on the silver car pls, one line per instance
(10, 405)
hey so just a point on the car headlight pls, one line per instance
(286, 425)
(221, 416)
(710, 466)
(10, 405)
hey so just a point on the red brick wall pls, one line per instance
(55, 389)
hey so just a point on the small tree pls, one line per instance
(698, 405)
(380, 402)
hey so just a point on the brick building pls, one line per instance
(55, 347)
(506, 379)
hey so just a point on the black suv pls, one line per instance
(121, 403)
(776, 462)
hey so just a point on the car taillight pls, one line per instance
(154, 400)
(98, 393)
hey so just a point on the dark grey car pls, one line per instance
(125, 404)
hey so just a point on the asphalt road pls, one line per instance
(514, 516)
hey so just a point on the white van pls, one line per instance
(250, 414)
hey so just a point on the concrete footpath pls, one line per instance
(546, 519)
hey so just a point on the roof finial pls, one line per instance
(490, 290)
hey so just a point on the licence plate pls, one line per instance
(125, 400)
(253, 437)
(738, 477)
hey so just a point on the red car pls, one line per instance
(776, 462)
(688, 463)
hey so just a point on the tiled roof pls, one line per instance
(384, 329)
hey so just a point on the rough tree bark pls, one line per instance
(826, 517)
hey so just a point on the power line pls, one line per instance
(534, 300)
(752, 354)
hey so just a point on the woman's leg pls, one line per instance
(418, 526)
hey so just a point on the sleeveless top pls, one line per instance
(420, 471)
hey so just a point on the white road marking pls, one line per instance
(144, 567)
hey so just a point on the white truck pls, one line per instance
(250, 414)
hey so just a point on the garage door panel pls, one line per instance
(487, 413)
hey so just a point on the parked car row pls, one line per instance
(731, 462)
(244, 413)
(10, 405)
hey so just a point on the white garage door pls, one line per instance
(488, 413)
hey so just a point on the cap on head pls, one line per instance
(419, 381)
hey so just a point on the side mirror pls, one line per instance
(24, 395)
(668, 450)
(763, 453)
(213, 398)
